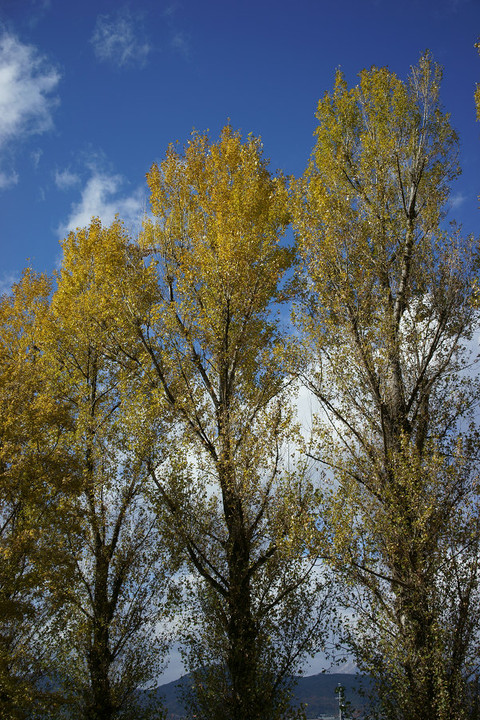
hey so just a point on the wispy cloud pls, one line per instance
(120, 40)
(457, 200)
(27, 82)
(36, 156)
(6, 282)
(27, 100)
(66, 179)
(7, 179)
(102, 197)
(455, 5)
(179, 41)
(37, 11)
(170, 10)
(181, 44)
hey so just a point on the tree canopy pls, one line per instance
(154, 480)
(387, 317)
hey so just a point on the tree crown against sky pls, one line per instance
(92, 94)
(389, 313)
(208, 342)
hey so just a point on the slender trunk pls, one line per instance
(242, 660)
(101, 706)
(242, 656)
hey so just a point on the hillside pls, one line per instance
(316, 691)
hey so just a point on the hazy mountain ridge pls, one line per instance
(317, 692)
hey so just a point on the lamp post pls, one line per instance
(340, 691)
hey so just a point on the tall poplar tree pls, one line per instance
(388, 310)
(209, 347)
(115, 599)
(35, 469)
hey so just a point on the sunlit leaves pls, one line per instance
(111, 641)
(211, 340)
(35, 468)
(387, 310)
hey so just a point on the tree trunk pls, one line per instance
(101, 706)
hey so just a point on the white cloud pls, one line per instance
(37, 11)
(118, 40)
(66, 179)
(26, 86)
(170, 10)
(36, 157)
(307, 406)
(457, 200)
(181, 44)
(7, 179)
(7, 280)
(101, 197)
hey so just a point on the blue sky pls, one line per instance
(91, 94)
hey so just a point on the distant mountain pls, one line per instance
(317, 692)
